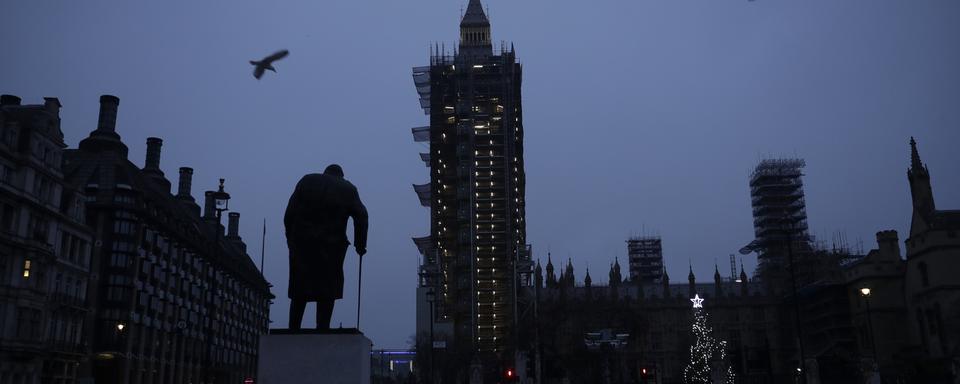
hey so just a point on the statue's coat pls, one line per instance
(316, 223)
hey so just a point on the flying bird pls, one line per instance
(267, 63)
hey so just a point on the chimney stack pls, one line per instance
(186, 182)
(233, 225)
(52, 105)
(108, 114)
(209, 210)
(888, 243)
(153, 153)
(9, 100)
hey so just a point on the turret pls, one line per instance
(717, 280)
(615, 277)
(551, 276)
(666, 283)
(568, 280)
(538, 275)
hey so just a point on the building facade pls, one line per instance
(652, 328)
(176, 301)
(932, 286)
(44, 251)
(475, 258)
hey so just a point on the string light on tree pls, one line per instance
(706, 353)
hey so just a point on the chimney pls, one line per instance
(6, 100)
(209, 210)
(153, 153)
(52, 105)
(108, 114)
(888, 243)
(186, 181)
(233, 225)
(105, 137)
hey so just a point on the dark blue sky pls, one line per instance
(640, 116)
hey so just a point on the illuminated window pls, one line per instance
(26, 268)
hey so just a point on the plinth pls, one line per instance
(311, 356)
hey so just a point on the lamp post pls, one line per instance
(221, 200)
(430, 299)
(865, 292)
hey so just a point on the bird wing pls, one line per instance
(277, 56)
(257, 72)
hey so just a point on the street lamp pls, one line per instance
(865, 292)
(221, 201)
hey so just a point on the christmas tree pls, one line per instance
(705, 351)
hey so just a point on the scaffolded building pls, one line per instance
(645, 255)
(476, 256)
(779, 210)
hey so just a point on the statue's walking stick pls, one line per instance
(359, 287)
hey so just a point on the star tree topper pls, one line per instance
(697, 301)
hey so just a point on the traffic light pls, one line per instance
(510, 375)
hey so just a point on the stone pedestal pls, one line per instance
(311, 356)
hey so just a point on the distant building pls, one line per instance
(644, 330)
(476, 256)
(779, 208)
(392, 366)
(44, 250)
(645, 254)
(176, 300)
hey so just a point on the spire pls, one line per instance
(615, 277)
(475, 31)
(551, 276)
(474, 17)
(587, 281)
(743, 280)
(538, 275)
(690, 276)
(717, 281)
(743, 275)
(920, 189)
(915, 163)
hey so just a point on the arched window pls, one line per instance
(920, 327)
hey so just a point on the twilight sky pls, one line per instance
(640, 116)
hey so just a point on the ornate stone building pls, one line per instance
(932, 284)
(475, 259)
(177, 300)
(44, 251)
(652, 324)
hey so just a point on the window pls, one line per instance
(925, 280)
(124, 227)
(8, 217)
(26, 268)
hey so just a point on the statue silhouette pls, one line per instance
(316, 222)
